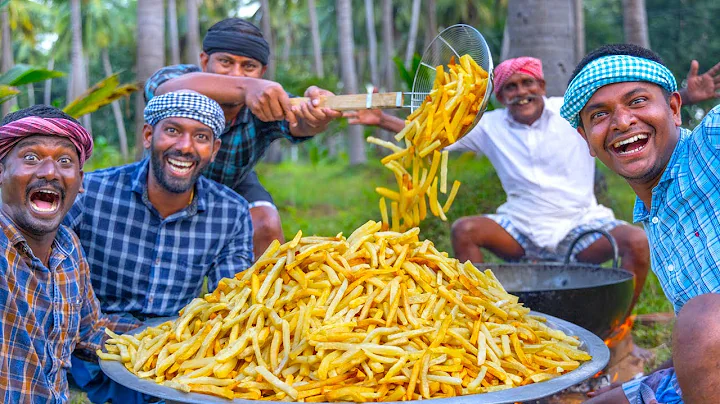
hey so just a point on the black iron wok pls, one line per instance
(591, 296)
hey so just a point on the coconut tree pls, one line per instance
(372, 41)
(173, 37)
(150, 54)
(193, 33)
(388, 44)
(316, 42)
(544, 29)
(7, 52)
(346, 42)
(412, 36)
(266, 27)
(635, 24)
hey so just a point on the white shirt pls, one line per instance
(545, 169)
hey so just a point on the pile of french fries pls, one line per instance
(379, 316)
(446, 114)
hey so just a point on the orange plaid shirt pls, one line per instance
(45, 313)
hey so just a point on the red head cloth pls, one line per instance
(15, 131)
(525, 65)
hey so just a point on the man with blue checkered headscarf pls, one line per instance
(624, 102)
(154, 230)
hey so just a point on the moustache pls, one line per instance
(43, 183)
(516, 100)
(188, 156)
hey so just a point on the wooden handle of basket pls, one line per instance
(352, 102)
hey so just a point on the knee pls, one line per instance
(266, 222)
(635, 244)
(698, 325)
(462, 228)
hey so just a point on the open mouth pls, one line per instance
(180, 167)
(45, 200)
(631, 145)
(524, 101)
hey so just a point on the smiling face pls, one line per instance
(180, 149)
(522, 94)
(632, 127)
(40, 178)
(231, 65)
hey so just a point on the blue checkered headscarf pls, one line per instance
(608, 70)
(186, 104)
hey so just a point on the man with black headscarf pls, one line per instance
(257, 112)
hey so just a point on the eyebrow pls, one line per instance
(62, 142)
(172, 122)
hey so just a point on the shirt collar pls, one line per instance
(640, 212)
(63, 243)
(139, 186)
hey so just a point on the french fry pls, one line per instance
(379, 315)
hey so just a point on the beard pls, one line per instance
(168, 181)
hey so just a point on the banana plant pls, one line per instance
(21, 75)
(99, 95)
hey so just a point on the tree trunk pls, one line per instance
(356, 141)
(31, 94)
(505, 47)
(388, 44)
(372, 41)
(317, 44)
(119, 121)
(431, 30)
(635, 24)
(267, 33)
(173, 33)
(7, 54)
(579, 30)
(412, 37)
(47, 98)
(544, 29)
(150, 55)
(287, 45)
(79, 74)
(193, 28)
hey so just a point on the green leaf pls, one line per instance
(7, 92)
(4, 3)
(101, 94)
(22, 74)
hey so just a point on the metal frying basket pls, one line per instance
(454, 41)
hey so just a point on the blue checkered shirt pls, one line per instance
(46, 311)
(244, 140)
(143, 263)
(683, 224)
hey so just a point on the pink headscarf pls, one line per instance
(15, 131)
(525, 65)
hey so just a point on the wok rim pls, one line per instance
(630, 275)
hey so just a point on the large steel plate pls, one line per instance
(590, 343)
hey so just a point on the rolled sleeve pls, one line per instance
(165, 74)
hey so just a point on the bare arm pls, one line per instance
(375, 117)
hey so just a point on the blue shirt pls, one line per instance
(244, 140)
(45, 313)
(143, 263)
(683, 224)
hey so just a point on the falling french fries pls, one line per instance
(446, 114)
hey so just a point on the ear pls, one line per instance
(675, 103)
(82, 176)
(204, 59)
(216, 148)
(541, 83)
(147, 136)
(581, 131)
(2, 172)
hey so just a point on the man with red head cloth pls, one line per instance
(47, 304)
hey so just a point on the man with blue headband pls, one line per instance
(257, 112)
(155, 229)
(624, 102)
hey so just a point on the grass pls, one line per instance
(329, 198)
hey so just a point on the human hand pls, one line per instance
(268, 101)
(702, 87)
(312, 115)
(364, 117)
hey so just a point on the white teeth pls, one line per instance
(633, 150)
(523, 102)
(183, 164)
(44, 210)
(630, 140)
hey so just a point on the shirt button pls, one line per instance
(157, 261)
(150, 299)
(671, 267)
(655, 220)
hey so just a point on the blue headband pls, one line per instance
(608, 70)
(186, 104)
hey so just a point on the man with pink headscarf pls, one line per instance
(47, 304)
